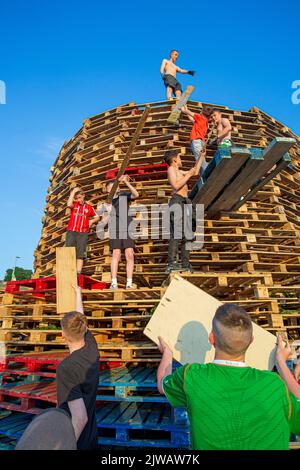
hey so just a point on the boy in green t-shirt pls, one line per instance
(231, 406)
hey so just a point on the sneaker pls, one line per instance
(114, 285)
(187, 267)
(128, 285)
(172, 267)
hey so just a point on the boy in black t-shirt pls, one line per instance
(119, 237)
(77, 377)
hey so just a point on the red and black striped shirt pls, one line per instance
(80, 216)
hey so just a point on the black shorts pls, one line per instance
(171, 81)
(121, 243)
(79, 240)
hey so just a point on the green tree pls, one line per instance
(20, 274)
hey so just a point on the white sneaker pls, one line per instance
(128, 285)
(114, 285)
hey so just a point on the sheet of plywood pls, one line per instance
(183, 319)
(66, 277)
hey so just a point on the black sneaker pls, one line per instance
(172, 267)
(187, 267)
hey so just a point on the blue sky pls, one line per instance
(63, 61)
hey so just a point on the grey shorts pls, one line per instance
(79, 241)
(171, 81)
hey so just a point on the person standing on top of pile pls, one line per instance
(119, 234)
(168, 71)
(83, 217)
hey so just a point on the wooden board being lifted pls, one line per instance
(175, 113)
(66, 278)
(183, 319)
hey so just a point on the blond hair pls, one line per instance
(74, 325)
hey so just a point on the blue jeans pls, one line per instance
(197, 146)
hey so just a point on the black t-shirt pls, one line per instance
(121, 207)
(77, 376)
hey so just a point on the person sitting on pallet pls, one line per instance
(83, 217)
(180, 219)
(198, 133)
(168, 71)
(77, 376)
(119, 238)
(231, 406)
(224, 128)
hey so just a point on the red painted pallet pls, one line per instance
(141, 172)
(33, 363)
(27, 397)
(39, 286)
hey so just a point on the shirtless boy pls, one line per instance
(178, 180)
(168, 71)
(224, 127)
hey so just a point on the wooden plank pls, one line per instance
(279, 167)
(66, 278)
(175, 113)
(245, 179)
(227, 166)
(129, 152)
(185, 327)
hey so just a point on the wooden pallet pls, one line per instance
(29, 397)
(142, 425)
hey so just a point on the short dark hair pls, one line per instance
(207, 111)
(216, 110)
(232, 328)
(169, 156)
(74, 325)
(174, 50)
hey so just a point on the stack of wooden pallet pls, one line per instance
(250, 256)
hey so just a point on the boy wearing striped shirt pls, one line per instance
(83, 217)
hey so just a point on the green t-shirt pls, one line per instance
(234, 408)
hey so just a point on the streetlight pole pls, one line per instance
(13, 276)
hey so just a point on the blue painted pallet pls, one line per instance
(136, 384)
(15, 424)
(142, 424)
(132, 384)
(6, 443)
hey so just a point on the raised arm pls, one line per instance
(189, 113)
(163, 66)
(179, 183)
(134, 192)
(79, 304)
(165, 366)
(71, 197)
(282, 353)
